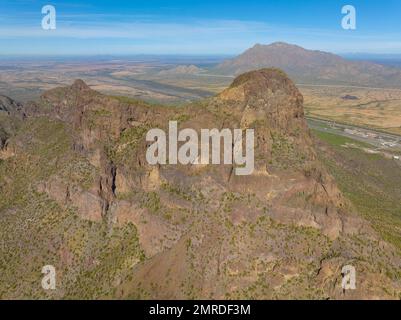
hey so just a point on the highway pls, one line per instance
(384, 141)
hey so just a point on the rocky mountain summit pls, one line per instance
(80, 193)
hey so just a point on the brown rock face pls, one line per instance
(268, 101)
(10, 106)
(268, 94)
(206, 232)
(265, 100)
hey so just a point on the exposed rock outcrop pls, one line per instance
(285, 230)
(288, 178)
(9, 106)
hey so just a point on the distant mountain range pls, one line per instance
(312, 67)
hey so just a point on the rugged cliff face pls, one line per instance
(10, 116)
(199, 231)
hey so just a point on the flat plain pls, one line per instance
(176, 81)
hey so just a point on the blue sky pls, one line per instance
(106, 27)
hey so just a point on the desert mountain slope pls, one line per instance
(312, 67)
(79, 194)
(181, 70)
(8, 105)
(10, 116)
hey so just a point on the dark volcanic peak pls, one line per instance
(80, 85)
(311, 66)
(264, 88)
(263, 79)
(259, 75)
(267, 95)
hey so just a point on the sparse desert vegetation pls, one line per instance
(77, 193)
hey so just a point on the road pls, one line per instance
(377, 139)
(344, 86)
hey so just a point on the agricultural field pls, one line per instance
(370, 107)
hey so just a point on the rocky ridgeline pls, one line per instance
(206, 232)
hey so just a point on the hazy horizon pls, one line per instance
(392, 59)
